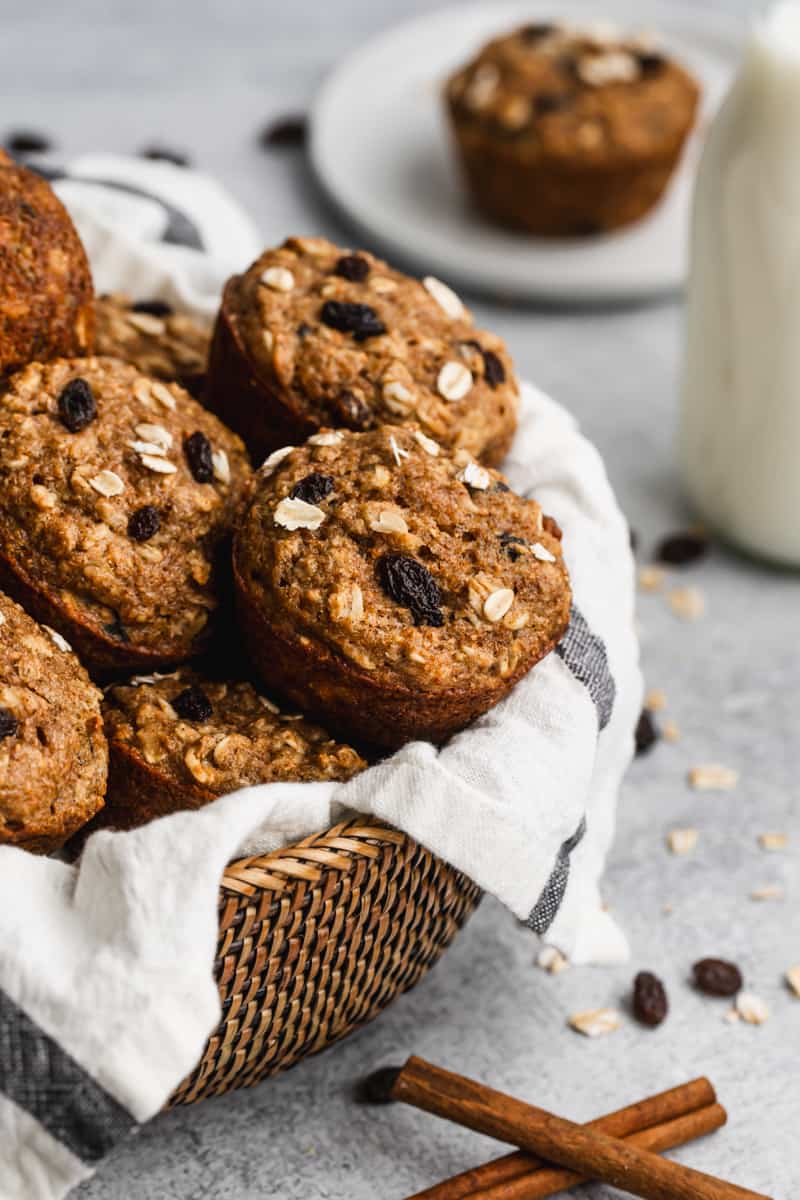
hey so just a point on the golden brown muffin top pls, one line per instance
(419, 566)
(557, 92)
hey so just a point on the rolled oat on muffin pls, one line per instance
(53, 754)
(313, 335)
(116, 492)
(394, 590)
(178, 741)
(562, 132)
(154, 338)
(46, 293)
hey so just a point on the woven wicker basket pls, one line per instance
(317, 939)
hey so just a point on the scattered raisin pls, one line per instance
(192, 704)
(650, 1004)
(197, 449)
(377, 1087)
(511, 545)
(313, 488)
(27, 141)
(646, 734)
(499, 486)
(679, 549)
(76, 405)
(353, 267)
(284, 132)
(159, 153)
(537, 30)
(551, 102)
(408, 582)
(351, 410)
(144, 523)
(9, 725)
(155, 308)
(359, 319)
(493, 370)
(651, 63)
(716, 977)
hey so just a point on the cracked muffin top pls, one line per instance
(155, 339)
(214, 736)
(115, 491)
(414, 566)
(45, 284)
(562, 93)
(343, 339)
(53, 755)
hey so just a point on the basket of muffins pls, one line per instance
(274, 552)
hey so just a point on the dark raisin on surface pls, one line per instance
(28, 141)
(646, 734)
(499, 486)
(116, 629)
(76, 405)
(144, 523)
(353, 267)
(155, 308)
(359, 319)
(651, 63)
(650, 1004)
(9, 725)
(313, 488)
(493, 370)
(716, 977)
(160, 153)
(284, 132)
(351, 410)
(546, 103)
(406, 581)
(377, 1087)
(192, 704)
(197, 449)
(537, 30)
(679, 549)
(512, 545)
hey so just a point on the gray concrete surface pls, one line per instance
(205, 77)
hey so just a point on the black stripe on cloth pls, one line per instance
(50, 1086)
(584, 653)
(544, 910)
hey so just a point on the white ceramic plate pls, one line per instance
(380, 147)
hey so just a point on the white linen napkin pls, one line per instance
(106, 988)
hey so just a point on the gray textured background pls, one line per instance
(205, 77)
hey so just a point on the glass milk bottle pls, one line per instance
(740, 422)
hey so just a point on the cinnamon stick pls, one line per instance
(588, 1152)
(654, 1110)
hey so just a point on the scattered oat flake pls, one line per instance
(793, 979)
(279, 279)
(454, 381)
(670, 731)
(2, 618)
(222, 468)
(272, 460)
(688, 603)
(148, 448)
(656, 700)
(713, 777)
(428, 444)
(652, 579)
(269, 705)
(297, 514)
(162, 394)
(542, 553)
(154, 433)
(268, 338)
(682, 841)
(475, 477)
(107, 483)
(773, 841)
(731, 1016)
(596, 1022)
(615, 66)
(551, 959)
(157, 463)
(444, 296)
(146, 323)
(398, 453)
(389, 521)
(751, 1008)
(497, 604)
(328, 437)
(60, 641)
(770, 891)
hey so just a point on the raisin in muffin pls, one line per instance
(155, 339)
(53, 753)
(567, 133)
(116, 492)
(46, 291)
(179, 741)
(313, 336)
(392, 589)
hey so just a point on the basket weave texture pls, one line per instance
(315, 940)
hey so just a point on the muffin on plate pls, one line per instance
(392, 589)
(116, 492)
(178, 741)
(53, 753)
(563, 133)
(46, 294)
(313, 335)
(155, 339)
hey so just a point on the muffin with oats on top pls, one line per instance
(154, 338)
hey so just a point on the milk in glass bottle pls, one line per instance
(740, 420)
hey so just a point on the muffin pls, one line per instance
(45, 283)
(179, 741)
(53, 753)
(313, 336)
(565, 133)
(155, 339)
(391, 589)
(116, 493)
